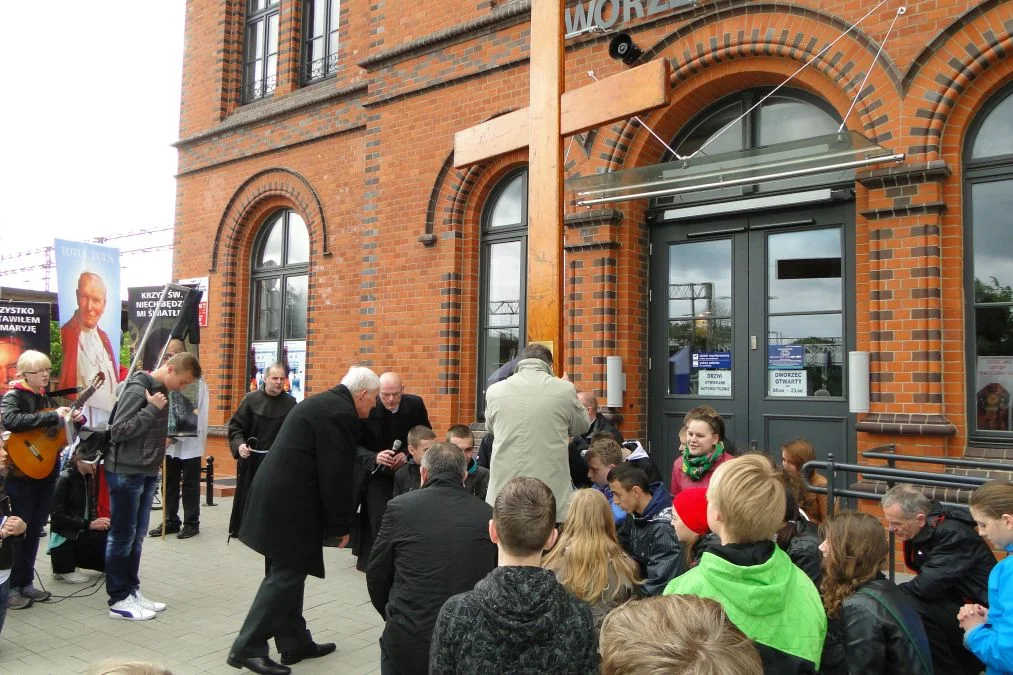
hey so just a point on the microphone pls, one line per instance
(396, 448)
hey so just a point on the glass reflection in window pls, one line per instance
(699, 312)
(995, 136)
(991, 209)
(298, 240)
(504, 284)
(819, 339)
(295, 307)
(266, 309)
(510, 204)
(270, 252)
(807, 121)
(804, 271)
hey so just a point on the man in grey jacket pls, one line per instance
(532, 415)
(138, 431)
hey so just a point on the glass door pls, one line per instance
(800, 314)
(751, 316)
(698, 329)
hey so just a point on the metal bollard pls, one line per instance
(209, 480)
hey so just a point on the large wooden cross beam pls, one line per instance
(541, 126)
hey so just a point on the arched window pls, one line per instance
(280, 283)
(988, 275)
(503, 277)
(809, 116)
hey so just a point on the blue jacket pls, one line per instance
(993, 641)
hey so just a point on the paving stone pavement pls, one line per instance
(208, 586)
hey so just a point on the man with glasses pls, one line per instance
(393, 416)
(26, 406)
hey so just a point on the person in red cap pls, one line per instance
(689, 519)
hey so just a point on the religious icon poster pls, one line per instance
(88, 295)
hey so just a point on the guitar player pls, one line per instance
(24, 407)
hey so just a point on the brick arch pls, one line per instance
(280, 185)
(463, 197)
(260, 195)
(706, 56)
(975, 45)
(452, 191)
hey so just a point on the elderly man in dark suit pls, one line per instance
(433, 543)
(394, 415)
(301, 497)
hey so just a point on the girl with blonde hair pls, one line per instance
(588, 559)
(874, 627)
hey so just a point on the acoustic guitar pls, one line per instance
(35, 451)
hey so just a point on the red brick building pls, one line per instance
(316, 188)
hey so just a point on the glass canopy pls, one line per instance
(701, 172)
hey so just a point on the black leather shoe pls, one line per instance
(169, 529)
(258, 664)
(187, 532)
(310, 651)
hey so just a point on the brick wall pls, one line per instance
(365, 157)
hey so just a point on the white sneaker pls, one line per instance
(149, 604)
(74, 577)
(129, 609)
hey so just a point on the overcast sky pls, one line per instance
(90, 108)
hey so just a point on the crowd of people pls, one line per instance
(557, 547)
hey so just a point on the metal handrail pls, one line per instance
(943, 461)
(891, 475)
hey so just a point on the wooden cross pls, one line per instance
(541, 126)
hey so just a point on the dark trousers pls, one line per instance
(32, 502)
(946, 639)
(185, 474)
(387, 666)
(276, 612)
(88, 552)
(379, 489)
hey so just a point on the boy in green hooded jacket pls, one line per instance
(763, 593)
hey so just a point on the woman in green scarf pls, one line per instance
(701, 454)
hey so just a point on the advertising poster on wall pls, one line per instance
(992, 395)
(88, 293)
(23, 326)
(295, 359)
(262, 354)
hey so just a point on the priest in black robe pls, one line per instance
(393, 416)
(259, 417)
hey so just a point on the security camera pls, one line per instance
(621, 48)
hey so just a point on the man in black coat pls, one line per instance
(952, 564)
(394, 415)
(433, 543)
(301, 496)
(580, 444)
(260, 416)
